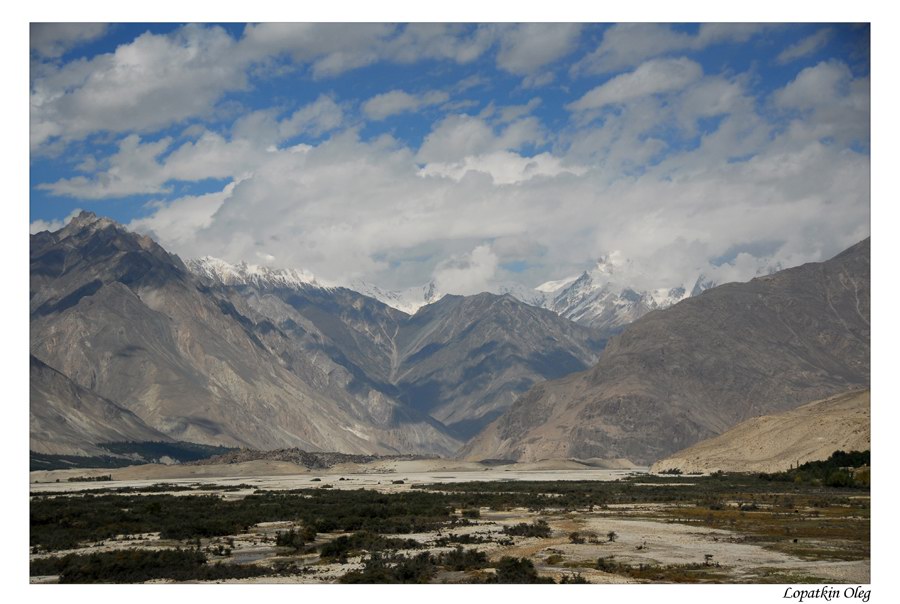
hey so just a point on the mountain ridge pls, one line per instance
(262, 358)
(689, 372)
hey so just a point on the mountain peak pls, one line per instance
(86, 220)
(250, 274)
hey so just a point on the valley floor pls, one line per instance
(390, 523)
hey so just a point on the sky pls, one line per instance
(471, 155)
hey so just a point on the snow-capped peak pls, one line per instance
(408, 300)
(250, 274)
(549, 287)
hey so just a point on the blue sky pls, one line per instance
(472, 155)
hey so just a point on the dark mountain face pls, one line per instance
(461, 360)
(267, 364)
(464, 360)
(677, 376)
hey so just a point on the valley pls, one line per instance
(451, 524)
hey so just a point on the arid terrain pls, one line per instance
(451, 522)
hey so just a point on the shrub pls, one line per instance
(517, 570)
(462, 559)
(539, 528)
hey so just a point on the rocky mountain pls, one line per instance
(602, 298)
(690, 372)
(461, 360)
(774, 443)
(242, 355)
(118, 315)
(465, 359)
(67, 419)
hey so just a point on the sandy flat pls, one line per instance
(385, 477)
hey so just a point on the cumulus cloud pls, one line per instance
(132, 169)
(179, 220)
(504, 167)
(526, 48)
(321, 116)
(52, 40)
(161, 79)
(691, 173)
(806, 46)
(344, 207)
(467, 274)
(652, 77)
(154, 81)
(459, 136)
(828, 102)
(137, 166)
(630, 44)
(390, 103)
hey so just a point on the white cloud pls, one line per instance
(504, 167)
(334, 48)
(393, 102)
(806, 46)
(162, 79)
(179, 220)
(52, 40)
(321, 116)
(342, 208)
(132, 169)
(652, 77)
(154, 81)
(136, 168)
(655, 179)
(829, 103)
(526, 48)
(629, 44)
(459, 136)
(467, 274)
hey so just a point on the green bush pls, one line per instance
(135, 566)
(395, 569)
(539, 528)
(517, 570)
(462, 559)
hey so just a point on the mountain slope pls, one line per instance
(680, 375)
(774, 443)
(464, 360)
(117, 314)
(461, 360)
(67, 419)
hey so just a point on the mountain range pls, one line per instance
(215, 354)
(128, 342)
(680, 375)
(602, 298)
